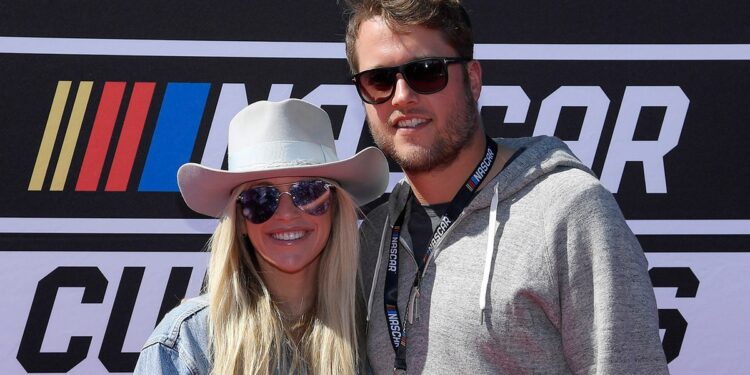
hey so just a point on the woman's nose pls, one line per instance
(286, 207)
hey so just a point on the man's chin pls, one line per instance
(420, 160)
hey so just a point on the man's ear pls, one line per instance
(475, 78)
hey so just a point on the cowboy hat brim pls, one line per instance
(208, 190)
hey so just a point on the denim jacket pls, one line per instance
(179, 344)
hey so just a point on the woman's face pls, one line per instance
(291, 240)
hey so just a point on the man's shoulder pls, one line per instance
(189, 320)
(377, 214)
(569, 185)
(376, 217)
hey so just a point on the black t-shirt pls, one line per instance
(423, 220)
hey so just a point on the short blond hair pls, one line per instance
(448, 16)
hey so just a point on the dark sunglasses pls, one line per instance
(424, 76)
(259, 203)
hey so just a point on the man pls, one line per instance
(492, 256)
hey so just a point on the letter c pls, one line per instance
(29, 354)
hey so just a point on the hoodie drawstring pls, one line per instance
(491, 231)
(377, 270)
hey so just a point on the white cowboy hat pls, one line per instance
(281, 139)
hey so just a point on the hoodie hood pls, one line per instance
(541, 155)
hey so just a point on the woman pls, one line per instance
(281, 281)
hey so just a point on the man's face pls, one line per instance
(420, 132)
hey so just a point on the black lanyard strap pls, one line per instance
(396, 327)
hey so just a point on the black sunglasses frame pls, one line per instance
(271, 194)
(403, 69)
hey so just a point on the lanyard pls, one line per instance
(462, 198)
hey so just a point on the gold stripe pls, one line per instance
(71, 136)
(50, 134)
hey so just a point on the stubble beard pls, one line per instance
(446, 146)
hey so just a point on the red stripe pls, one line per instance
(132, 128)
(101, 134)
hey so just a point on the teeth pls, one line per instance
(411, 123)
(288, 236)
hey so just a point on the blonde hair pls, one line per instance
(246, 331)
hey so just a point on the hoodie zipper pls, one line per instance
(412, 307)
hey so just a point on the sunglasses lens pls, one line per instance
(376, 86)
(426, 76)
(258, 204)
(313, 197)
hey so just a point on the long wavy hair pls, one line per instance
(246, 329)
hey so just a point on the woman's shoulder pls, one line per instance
(179, 343)
(186, 322)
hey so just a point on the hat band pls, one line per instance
(279, 155)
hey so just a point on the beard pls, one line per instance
(446, 146)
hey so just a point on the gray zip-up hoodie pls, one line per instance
(540, 274)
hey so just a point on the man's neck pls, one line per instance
(440, 185)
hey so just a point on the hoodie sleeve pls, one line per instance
(609, 321)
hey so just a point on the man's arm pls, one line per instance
(609, 317)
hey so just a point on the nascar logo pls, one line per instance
(393, 251)
(484, 166)
(182, 110)
(175, 133)
(173, 140)
(394, 324)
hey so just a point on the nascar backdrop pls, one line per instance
(101, 103)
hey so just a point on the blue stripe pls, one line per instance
(174, 137)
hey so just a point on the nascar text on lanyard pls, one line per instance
(396, 328)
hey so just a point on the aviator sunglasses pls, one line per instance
(424, 76)
(259, 203)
